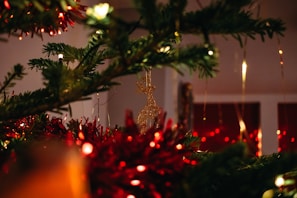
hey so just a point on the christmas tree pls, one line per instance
(162, 161)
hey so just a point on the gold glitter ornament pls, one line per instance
(151, 110)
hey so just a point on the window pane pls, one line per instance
(287, 125)
(218, 125)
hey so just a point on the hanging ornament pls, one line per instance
(151, 110)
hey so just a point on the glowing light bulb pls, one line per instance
(279, 181)
(61, 15)
(164, 49)
(60, 56)
(6, 4)
(98, 11)
(122, 164)
(152, 144)
(141, 168)
(129, 138)
(87, 148)
(135, 182)
(179, 146)
(157, 136)
(81, 135)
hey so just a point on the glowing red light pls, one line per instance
(122, 164)
(292, 139)
(193, 162)
(217, 130)
(6, 4)
(195, 134)
(186, 160)
(203, 139)
(212, 133)
(226, 139)
(129, 138)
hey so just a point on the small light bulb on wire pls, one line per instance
(60, 57)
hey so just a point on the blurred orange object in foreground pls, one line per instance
(46, 170)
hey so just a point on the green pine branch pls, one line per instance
(232, 173)
(113, 50)
(9, 80)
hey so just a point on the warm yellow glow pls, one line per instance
(279, 181)
(135, 182)
(157, 136)
(152, 144)
(87, 148)
(81, 135)
(179, 146)
(244, 70)
(242, 126)
(164, 49)
(98, 11)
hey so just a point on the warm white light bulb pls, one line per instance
(279, 181)
(60, 56)
(98, 11)
(87, 148)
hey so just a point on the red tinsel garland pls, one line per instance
(120, 162)
(36, 17)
